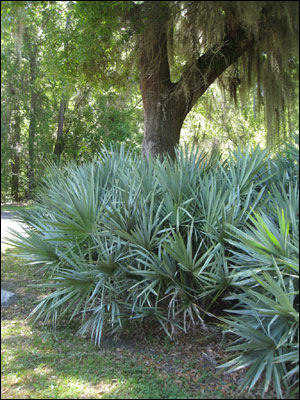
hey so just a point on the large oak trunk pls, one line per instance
(166, 104)
(162, 125)
(163, 116)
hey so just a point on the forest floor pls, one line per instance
(38, 362)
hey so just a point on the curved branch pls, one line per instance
(208, 67)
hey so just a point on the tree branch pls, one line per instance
(199, 76)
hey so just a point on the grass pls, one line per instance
(11, 207)
(40, 363)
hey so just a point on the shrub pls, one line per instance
(122, 239)
(267, 320)
(265, 253)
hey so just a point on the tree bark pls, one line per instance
(15, 148)
(32, 53)
(59, 144)
(31, 145)
(166, 104)
(14, 129)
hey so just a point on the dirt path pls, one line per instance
(8, 221)
(8, 288)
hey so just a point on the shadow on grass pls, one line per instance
(38, 362)
(43, 364)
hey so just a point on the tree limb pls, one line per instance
(208, 67)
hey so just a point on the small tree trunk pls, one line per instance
(31, 147)
(6, 113)
(32, 52)
(15, 132)
(15, 158)
(59, 144)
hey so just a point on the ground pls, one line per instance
(38, 362)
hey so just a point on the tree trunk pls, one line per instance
(15, 148)
(162, 125)
(163, 115)
(166, 104)
(31, 146)
(32, 53)
(6, 113)
(59, 144)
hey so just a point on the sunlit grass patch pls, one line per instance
(16, 207)
(38, 362)
(42, 364)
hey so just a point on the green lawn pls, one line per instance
(15, 207)
(40, 363)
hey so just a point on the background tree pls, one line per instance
(183, 47)
(59, 144)
(11, 103)
(37, 85)
(32, 52)
(122, 65)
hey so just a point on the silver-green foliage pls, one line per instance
(265, 254)
(122, 239)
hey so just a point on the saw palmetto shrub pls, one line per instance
(124, 239)
(265, 254)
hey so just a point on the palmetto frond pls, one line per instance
(127, 239)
